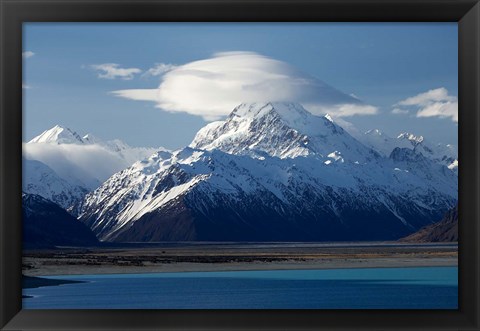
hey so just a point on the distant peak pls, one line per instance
(328, 117)
(58, 135)
(411, 137)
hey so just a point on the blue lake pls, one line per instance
(372, 288)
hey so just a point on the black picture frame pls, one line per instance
(15, 12)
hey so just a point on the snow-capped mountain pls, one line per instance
(40, 179)
(284, 130)
(445, 154)
(271, 171)
(82, 161)
(58, 135)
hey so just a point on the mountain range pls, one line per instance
(445, 154)
(275, 172)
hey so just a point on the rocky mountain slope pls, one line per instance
(446, 230)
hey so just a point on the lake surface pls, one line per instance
(372, 288)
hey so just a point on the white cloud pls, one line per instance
(399, 111)
(440, 109)
(433, 103)
(159, 69)
(113, 70)
(27, 54)
(87, 165)
(211, 88)
(138, 94)
(342, 110)
(424, 99)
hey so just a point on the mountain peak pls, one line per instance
(259, 109)
(58, 135)
(292, 114)
(279, 129)
(411, 137)
(328, 117)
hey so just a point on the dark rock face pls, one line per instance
(262, 217)
(46, 224)
(445, 230)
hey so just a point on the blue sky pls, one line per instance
(380, 63)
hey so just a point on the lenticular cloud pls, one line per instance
(211, 88)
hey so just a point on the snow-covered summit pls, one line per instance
(279, 129)
(290, 113)
(414, 140)
(58, 135)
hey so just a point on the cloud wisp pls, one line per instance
(211, 88)
(433, 103)
(159, 69)
(27, 54)
(399, 111)
(113, 71)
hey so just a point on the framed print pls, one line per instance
(239, 165)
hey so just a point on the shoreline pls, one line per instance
(239, 257)
(252, 266)
(188, 268)
(37, 282)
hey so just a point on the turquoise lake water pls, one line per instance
(372, 288)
